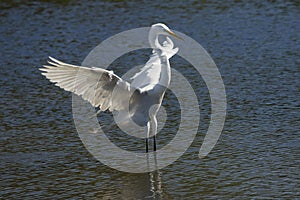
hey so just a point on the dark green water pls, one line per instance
(256, 47)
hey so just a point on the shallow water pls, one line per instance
(256, 47)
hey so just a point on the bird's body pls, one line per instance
(139, 100)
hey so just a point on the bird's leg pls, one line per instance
(154, 143)
(154, 130)
(147, 145)
(147, 136)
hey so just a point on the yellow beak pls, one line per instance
(174, 35)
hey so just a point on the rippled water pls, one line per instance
(256, 47)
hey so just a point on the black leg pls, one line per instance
(154, 143)
(146, 145)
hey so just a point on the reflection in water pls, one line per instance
(134, 186)
(142, 186)
(146, 185)
(156, 184)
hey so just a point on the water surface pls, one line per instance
(254, 44)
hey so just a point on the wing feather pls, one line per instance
(102, 88)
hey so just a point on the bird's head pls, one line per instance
(161, 28)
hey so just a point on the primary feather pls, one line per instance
(95, 85)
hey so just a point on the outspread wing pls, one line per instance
(102, 88)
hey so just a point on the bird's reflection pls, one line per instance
(156, 184)
(122, 185)
(143, 186)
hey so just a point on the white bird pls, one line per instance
(139, 100)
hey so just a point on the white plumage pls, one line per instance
(139, 100)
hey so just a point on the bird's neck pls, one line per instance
(153, 37)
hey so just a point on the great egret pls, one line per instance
(139, 100)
